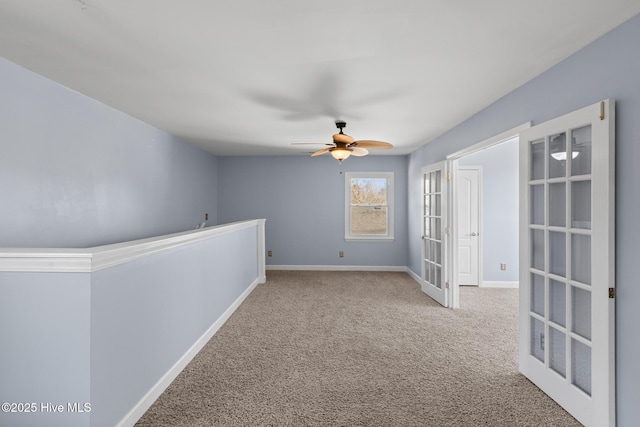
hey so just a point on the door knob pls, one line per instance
(473, 234)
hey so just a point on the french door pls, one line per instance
(566, 324)
(434, 198)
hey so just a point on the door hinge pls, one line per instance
(449, 175)
(602, 115)
(446, 285)
(447, 230)
(612, 292)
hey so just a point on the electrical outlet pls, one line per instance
(503, 266)
(341, 254)
(270, 253)
(206, 217)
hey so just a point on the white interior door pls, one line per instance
(566, 326)
(468, 194)
(434, 201)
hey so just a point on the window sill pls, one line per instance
(369, 239)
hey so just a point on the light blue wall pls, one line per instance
(76, 173)
(44, 346)
(499, 210)
(607, 68)
(302, 199)
(146, 314)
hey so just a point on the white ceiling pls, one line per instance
(252, 77)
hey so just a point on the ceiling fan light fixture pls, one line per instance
(562, 155)
(340, 153)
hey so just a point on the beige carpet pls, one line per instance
(359, 349)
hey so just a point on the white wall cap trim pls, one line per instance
(45, 260)
(87, 260)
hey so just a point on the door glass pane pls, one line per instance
(558, 351)
(427, 210)
(537, 339)
(436, 279)
(437, 252)
(557, 302)
(435, 200)
(557, 253)
(437, 230)
(537, 204)
(581, 316)
(435, 182)
(558, 155)
(537, 249)
(537, 294)
(427, 182)
(557, 204)
(433, 275)
(581, 151)
(581, 366)
(537, 159)
(581, 258)
(581, 204)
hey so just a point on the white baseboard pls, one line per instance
(485, 284)
(159, 387)
(490, 284)
(415, 276)
(338, 267)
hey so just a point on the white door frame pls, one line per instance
(452, 165)
(480, 231)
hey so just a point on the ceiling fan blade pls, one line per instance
(359, 151)
(320, 152)
(342, 137)
(379, 145)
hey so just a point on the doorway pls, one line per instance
(496, 234)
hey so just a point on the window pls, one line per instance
(369, 206)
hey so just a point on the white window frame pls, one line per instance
(347, 207)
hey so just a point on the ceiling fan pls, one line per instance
(344, 145)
